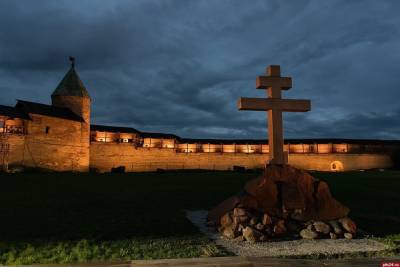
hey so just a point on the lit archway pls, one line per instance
(337, 166)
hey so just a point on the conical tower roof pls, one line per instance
(71, 85)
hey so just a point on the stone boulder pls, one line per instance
(230, 231)
(226, 220)
(348, 225)
(241, 200)
(322, 227)
(348, 236)
(280, 228)
(336, 227)
(251, 234)
(308, 234)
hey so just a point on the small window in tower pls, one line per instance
(47, 129)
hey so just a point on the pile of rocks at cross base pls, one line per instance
(283, 202)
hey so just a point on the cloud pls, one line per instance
(179, 66)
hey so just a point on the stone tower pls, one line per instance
(71, 93)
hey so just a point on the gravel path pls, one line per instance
(283, 248)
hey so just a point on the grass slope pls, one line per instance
(63, 217)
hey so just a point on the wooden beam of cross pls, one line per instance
(275, 105)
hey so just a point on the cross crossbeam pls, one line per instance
(265, 104)
(274, 105)
(264, 82)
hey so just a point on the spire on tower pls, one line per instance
(71, 84)
(72, 59)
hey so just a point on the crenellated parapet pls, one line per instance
(134, 137)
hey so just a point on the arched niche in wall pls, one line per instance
(337, 166)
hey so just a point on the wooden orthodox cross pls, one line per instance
(275, 105)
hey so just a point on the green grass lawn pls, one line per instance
(63, 217)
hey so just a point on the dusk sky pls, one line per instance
(179, 66)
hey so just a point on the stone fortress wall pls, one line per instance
(60, 148)
(150, 154)
(105, 156)
(63, 151)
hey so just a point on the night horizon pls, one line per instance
(179, 67)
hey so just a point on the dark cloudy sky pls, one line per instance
(179, 66)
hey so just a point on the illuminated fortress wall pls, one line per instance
(104, 156)
(53, 144)
(16, 145)
(61, 150)
(64, 147)
(340, 162)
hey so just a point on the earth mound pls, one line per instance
(283, 200)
